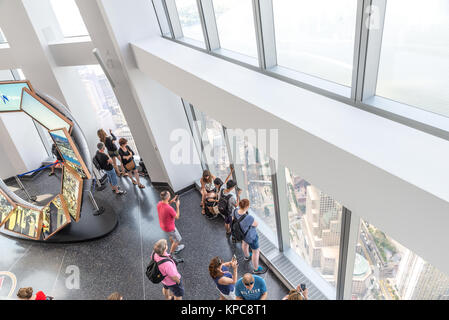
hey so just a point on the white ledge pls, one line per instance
(392, 175)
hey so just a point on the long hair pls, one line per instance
(214, 264)
(206, 173)
(102, 135)
(295, 295)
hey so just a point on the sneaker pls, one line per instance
(121, 192)
(50, 174)
(260, 270)
(179, 249)
(228, 234)
(249, 257)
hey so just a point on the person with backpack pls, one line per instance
(163, 269)
(109, 142)
(212, 198)
(243, 228)
(105, 163)
(227, 203)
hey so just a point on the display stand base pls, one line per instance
(89, 227)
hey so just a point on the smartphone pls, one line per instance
(303, 286)
(234, 257)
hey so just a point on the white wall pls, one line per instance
(389, 174)
(27, 141)
(141, 99)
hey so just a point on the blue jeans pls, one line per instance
(112, 177)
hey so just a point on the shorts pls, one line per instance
(113, 153)
(228, 219)
(112, 177)
(230, 296)
(175, 235)
(176, 289)
(255, 244)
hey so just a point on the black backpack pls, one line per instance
(223, 203)
(236, 229)
(153, 273)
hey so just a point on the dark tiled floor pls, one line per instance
(117, 262)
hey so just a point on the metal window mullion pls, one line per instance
(195, 136)
(371, 21)
(160, 12)
(237, 175)
(280, 205)
(265, 35)
(173, 17)
(209, 24)
(229, 150)
(200, 137)
(348, 241)
(360, 18)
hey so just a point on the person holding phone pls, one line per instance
(224, 279)
(300, 293)
(167, 217)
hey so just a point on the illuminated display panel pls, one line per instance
(72, 191)
(10, 95)
(25, 221)
(42, 112)
(55, 216)
(69, 152)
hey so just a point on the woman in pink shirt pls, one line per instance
(173, 287)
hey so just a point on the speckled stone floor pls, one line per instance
(117, 262)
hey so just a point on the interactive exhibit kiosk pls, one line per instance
(72, 215)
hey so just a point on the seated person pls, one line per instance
(211, 199)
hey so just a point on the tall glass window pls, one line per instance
(316, 37)
(386, 270)
(253, 174)
(190, 19)
(314, 225)
(414, 62)
(214, 150)
(107, 109)
(69, 18)
(235, 23)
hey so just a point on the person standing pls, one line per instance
(228, 202)
(58, 156)
(127, 156)
(223, 278)
(107, 165)
(173, 287)
(167, 216)
(248, 226)
(251, 287)
(109, 142)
